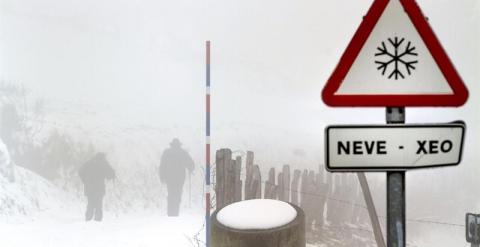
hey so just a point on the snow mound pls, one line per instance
(30, 194)
(258, 214)
(4, 155)
(6, 166)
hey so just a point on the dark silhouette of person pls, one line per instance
(93, 175)
(173, 164)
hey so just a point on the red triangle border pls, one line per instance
(460, 92)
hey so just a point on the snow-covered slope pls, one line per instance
(6, 165)
(31, 195)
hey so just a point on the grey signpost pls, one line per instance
(396, 235)
(394, 60)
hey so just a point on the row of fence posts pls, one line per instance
(337, 199)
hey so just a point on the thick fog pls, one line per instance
(125, 78)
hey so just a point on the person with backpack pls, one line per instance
(93, 175)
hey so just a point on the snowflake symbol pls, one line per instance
(396, 58)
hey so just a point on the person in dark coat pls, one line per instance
(93, 175)
(174, 162)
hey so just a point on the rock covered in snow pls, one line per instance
(6, 165)
(257, 214)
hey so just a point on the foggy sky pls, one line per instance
(268, 56)
(142, 62)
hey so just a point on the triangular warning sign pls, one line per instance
(395, 59)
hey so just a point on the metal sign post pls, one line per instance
(396, 192)
(396, 209)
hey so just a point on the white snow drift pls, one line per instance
(6, 165)
(258, 214)
(30, 195)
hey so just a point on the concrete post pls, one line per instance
(290, 235)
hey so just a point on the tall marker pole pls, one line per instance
(207, 147)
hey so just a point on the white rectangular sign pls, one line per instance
(352, 148)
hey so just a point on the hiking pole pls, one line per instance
(190, 190)
(115, 192)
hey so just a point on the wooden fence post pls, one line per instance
(219, 166)
(230, 182)
(257, 183)
(330, 203)
(340, 213)
(295, 188)
(304, 197)
(238, 181)
(303, 188)
(222, 161)
(286, 183)
(270, 187)
(249, 175)
(306, 189)
(311, 194)
(350, 196)
(280, 187)
(322, 191)
(320, 177)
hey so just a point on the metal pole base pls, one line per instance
(396, 234)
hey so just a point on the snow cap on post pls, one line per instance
(257, 214)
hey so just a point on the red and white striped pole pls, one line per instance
(207, 146)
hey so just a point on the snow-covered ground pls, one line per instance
(35, 212)
(133, 230)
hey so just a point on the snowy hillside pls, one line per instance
(30, 195)
(34, 207)
(51, 213)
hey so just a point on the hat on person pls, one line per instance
(175, 142)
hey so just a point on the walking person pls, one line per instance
(174, 163)
(93, 175)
